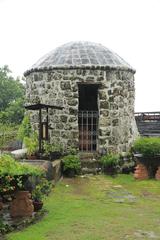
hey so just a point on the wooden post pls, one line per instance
(40, 130)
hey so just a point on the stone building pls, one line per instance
(96, 88)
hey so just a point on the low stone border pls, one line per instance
(18, 223)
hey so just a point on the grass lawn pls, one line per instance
(99, 207)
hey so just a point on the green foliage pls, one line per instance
(71, 162)
(72, 150)
(148, 147)
(11, 89)
(25, 129)
(9, 166)
(7, 133)
(52, 147)
(109, 160)
(12, 173)
(13, 113)
(4, 227)
(42, 189)
(31, 144)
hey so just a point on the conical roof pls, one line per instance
(80, 55)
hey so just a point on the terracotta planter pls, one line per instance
(150, 163)
(37, 205)
(141, 172)
(157, 176)
(22, 205)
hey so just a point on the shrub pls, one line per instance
(7, 134)
(25, 129)
(52, 147)
(71, 162)
(42, 189)
(12, 173)
(109, 160)
(31, 144)
(148, 147)
(110, 163)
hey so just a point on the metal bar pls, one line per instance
(88, 130)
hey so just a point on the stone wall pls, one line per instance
(117, 127)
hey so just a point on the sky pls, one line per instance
(131, 28)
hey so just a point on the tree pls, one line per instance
(14, 113)
(10, 89)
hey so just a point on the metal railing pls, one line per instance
(147, 116)
(88, 130)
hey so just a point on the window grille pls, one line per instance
(88, 130)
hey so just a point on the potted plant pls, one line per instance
(52, 150)
(13, 176)
(146, 152)
(110, 163)
(37, 197)
(71, 165)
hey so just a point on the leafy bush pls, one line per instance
(31, 144)
(110, 163)
(12, 173)
(14, 113)
(42, 189)
(148, 147)
(52, 147)
(109, 160)
(25, 129)
(9, 166)
(4, 227)
(7, 134)
(71, 162)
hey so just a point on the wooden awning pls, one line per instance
(39, 106)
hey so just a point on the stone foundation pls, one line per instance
(141, 172)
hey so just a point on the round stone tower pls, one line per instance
(96, 88)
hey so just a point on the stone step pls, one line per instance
(86, 170)
(90, 163)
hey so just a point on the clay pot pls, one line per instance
(37, 205)
(22, 205)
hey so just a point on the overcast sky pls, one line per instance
(131, 28)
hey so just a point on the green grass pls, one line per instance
(84, 209)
